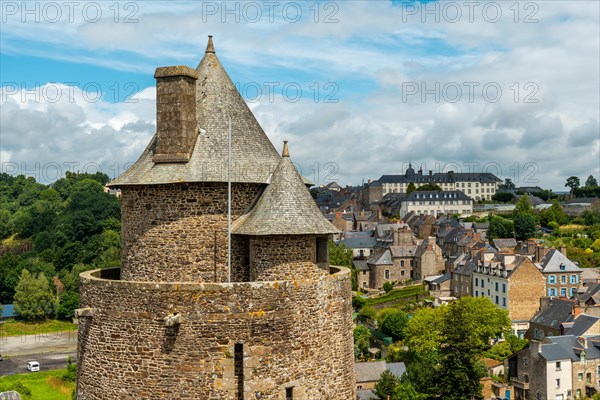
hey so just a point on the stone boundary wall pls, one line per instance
(183, 225)
(295, 333)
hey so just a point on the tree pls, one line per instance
(446, 344)
(572, 183)
(430, 186)
(387, 286)
(69, 301)
(591, 181)
(362, 339)
(468, 327)
(503, 197)
(410, 188)
(392, 322)
(525, 227)
(33, 297)
(507, 185)
(500, 228)
(524, 205)
(386, 385)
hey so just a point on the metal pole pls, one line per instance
(229, 200)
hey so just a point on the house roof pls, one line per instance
(360, 265)
(554, 260)
(403, 250)
(558, 311)
(437, 195)
(359, 242)
(504, 243)
(253, 156)
(371, 371)
(582, 324)
(555, 348)
(439, 177)
(384, 258)
(285, 207)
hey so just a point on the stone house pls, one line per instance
(362, 246)
(513, 283)
(559, 367)
(429, 260)
(343, 221)
(553, 318)
(381, 270)
(563, 277)
(224, 264)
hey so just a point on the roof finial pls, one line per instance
(210, 48)
(286, 151)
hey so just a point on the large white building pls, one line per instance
(477, 185)
(433, 202)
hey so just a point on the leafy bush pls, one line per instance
(387, 286)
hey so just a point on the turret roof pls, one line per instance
(285, 207)
(253, 156)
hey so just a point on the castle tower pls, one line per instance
(168, 324)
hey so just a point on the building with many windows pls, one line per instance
(513, 283)
(433, 202)
(562, 275)
(477, 185)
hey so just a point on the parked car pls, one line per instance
(33, 366)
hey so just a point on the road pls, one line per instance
(50, 350)
(18, 364)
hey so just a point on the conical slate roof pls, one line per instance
(253, 156)
(285, 207)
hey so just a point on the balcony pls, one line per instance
(518, 384)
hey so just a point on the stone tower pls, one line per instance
(176, 321)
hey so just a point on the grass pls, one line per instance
(43, 385)
(396, 294)
(12, 327)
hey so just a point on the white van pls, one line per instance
(33, 366)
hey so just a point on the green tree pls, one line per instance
(410, 188)
(468, 327)
(507, 185)
(553, 213)
(69, 302)
(406, 391)
(591, 181)
(525, 226)
(503, 197)
(524, 205)
(430, 186)
(572, 183)
(386, 385)
(387, 286)
(392, 322)
(33, 297)
(500, 228)
(362, 339)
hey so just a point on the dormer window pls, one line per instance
(563, 267)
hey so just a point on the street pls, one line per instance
(17, 364)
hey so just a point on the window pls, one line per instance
(496, 286)
(476, 281)
(504, 302)
(402, 263)
(476, 293)
(411, 263)
(289, 393)
(552, 292)
(588, 377)
(558, 365)
(580, 376)
(551, 279)
(497, 300)
(563, 291)
(573, 279)
(482, 283)
(402, 273)
(558, 383)
(386, 274)
(563, 279)
(364, 272)
(504, 288)
(322, 251)
(562, 267)
(578, 391)
(238, 365)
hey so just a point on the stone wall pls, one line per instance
(283, 258)
(526, 285)
(178, 232)
(292, 334)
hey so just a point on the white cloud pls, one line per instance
(547, 70)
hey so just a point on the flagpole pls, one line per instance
(229, 200)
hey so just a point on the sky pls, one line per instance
(358, 88)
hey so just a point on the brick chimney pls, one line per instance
(176, 125)
(540, 252)
(563, 250)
